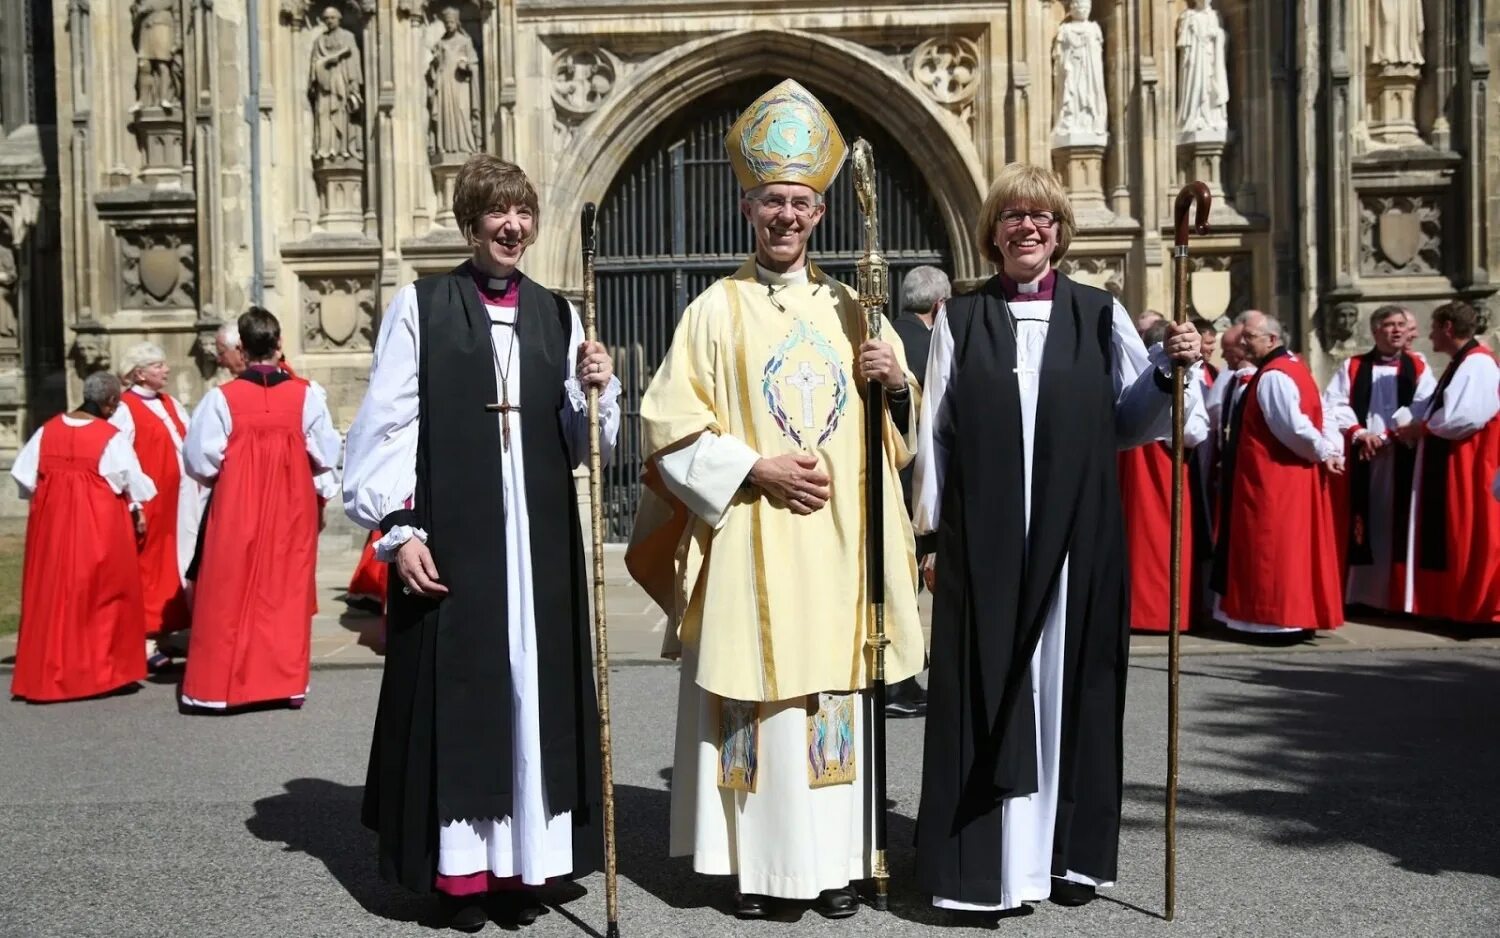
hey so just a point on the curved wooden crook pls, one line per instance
(1195, 192)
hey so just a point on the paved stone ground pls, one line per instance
(1323, 794)
(343, 637)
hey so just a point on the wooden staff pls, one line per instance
(1194, 193)
(601, 629)
(873, 276)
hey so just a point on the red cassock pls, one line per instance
(162, 592)
(252, 616)
(1283, 551)
(1464, 584)
(370, 576)
(1146, 493)
(82, 629)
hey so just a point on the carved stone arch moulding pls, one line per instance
(418, 13)
(658, 89)
(305, 14)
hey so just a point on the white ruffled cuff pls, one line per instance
(580, 401)
(386, 547)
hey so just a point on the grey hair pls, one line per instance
(924, 288)
(1155, 334)
(229, 334)
(100, 387)
(1273, 325)
(1385, 312)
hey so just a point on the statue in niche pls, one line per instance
(1202, 77)
(158, 54)
(1080, 108)
(336, 90)
(454, 126)
(9, 276)
(1396, 28)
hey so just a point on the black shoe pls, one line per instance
(905, 699)
(465, 913)
(1071, 894)
(751, 906)
(520, 907)
(837, 903)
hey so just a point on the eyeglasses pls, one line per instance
(1011, 218)
(773, 204)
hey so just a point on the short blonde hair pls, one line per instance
(1023, 185)
(485, 184)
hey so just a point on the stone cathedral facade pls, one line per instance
(166, 163)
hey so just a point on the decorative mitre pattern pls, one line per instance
(786, 136)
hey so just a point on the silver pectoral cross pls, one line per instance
(1024, 374)
(805, 381)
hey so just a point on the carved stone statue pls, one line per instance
(9, 276)
(1202, 78)
(336, 89)
(1396, 28)
(1080, 111)
(454, 127)
(158, 54)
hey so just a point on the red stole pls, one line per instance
(1457, 552)
(1146, 496)
(252, 618)
(82, 628)
(1283, 552)
(161, 579)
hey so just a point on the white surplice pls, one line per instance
(380, 476)
(1370, 584)
(786, 839)
(117, 464)
(1470, 401)
(190, 495)
(1142, 414)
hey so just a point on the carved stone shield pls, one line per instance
(160, 271)
(1400, 235)
(338, 316)
(1210, 292)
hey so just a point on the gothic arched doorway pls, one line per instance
(670, 225)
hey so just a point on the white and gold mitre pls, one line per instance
(787, 135)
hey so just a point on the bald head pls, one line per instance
(1234, 353)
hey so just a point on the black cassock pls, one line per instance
(443, 747)
(995, 585)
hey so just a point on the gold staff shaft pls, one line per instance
(1194, 193)
(601, 627)
(873, 276)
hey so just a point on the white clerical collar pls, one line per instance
(145, 392)
(765, 275)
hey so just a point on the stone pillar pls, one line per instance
(1079, 159)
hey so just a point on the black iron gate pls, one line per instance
(670, 226)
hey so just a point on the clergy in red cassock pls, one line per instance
(1452, 569)
(1366, 400)
(259, 440)
(1146, 496)
(484, 767)
(155, 425)
(1034, 382)
(367, 587)
(82, 623)
(1276, 564)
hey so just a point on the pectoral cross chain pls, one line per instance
(505, 408)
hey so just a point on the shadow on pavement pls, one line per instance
(321, 819)
(1403, 762)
